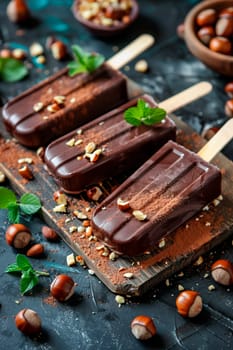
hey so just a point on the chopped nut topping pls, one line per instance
(80, 215)
(90, 147)
(91, 272)
(94, 193)
(122, 204)
(113, 256)
(81, 229)
(128, 275)
(199, 261)
(180, 287)
(38, 106)
(79, 131)
(59, 99)
(95, 155)
(53, 108)
(72, 229)
(71, 142)
(120, 299)
(139, 215)
(25, 160)
(211, 287)
(72, 100)
(78, 142)
(162, 243)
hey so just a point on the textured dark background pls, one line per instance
(92, 318)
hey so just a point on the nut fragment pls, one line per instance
(35, 250)
(90, 147)
(94, 193)
(139, 215)
(120, 299)
(59, 99)
(123, 204)
(60, 208)
(70, 260)
(141, 66)
(38, 106)
(17, 11)
(60, 197)
(26, 172)
(2, 177)
(143, 327)
(49, 233)
(80, 215)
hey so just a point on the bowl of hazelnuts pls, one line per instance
(208, 33)
(105, 18)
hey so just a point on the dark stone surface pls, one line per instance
(92, 318)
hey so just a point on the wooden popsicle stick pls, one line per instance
(217, 142)
(186, 96)
(131, 51)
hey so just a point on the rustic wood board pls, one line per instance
(196, 237)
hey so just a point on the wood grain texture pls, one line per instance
(196, 237)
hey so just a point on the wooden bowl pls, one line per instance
(218, 62)
(103, 30)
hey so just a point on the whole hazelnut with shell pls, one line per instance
(17, 11)
(62, 287)
(222, 272)
(189, 303)
(28, 322)
(143, 327)
(18, 236)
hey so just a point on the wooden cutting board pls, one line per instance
(183, 246)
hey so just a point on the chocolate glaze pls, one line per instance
(125, 147)
(87, 97)
(170, 188)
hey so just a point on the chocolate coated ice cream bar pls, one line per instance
(61, 103)
(166, 191)
(105, 147)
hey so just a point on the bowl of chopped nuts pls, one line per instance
(208, 33)
(106, 18)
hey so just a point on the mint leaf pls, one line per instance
(13, 213)
(84, 62)
(143, 114)
(23, 262)
(6, 197)
(28, 281)
(13, 268)
(12, 70)
(29, 203)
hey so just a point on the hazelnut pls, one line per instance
(222, 272)
(28, 322)
(226, 12)
(5, 53)
(139, 215)
(40, 153)
(26, 172)
(220, 44)
(224, 26)
(36, 49)
(2, 177)
(206, 17)
(205, 34)
(35, 250)
(18, 54)
(17, 11)
(62, 287)
(141, 66)
(18, 236)
(189, 303)
(59, 50)
(229, 89)
(60, 198)
(229, 108)
(49, 233)
(143, 327)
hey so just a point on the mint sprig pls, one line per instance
(29, 276)
(12, 70)
(27, 204)
(143, 114)
(84, 61)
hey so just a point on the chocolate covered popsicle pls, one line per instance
(166, 191)
(61, 103)
(107, 146)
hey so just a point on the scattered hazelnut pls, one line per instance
(36, 49)
(94, 193)
(229, 89)
(205, 34)
(35, 250)
(139, 215)
(40, 153)
(41, 59)
(38, 106)
(62, 287)
(2, 177)
(220, 44)
(59, 50)
(141, 66)
(123, 205)
(224, 26)
(5, 53)
(189, 303)
(60, 208)
(18, 54)
(229, 108)
(59, 197)
(49, 233)
(222, 272)
(143, 327)
(18, 236)
(17, 11)
(28, 322)
(26, 172)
